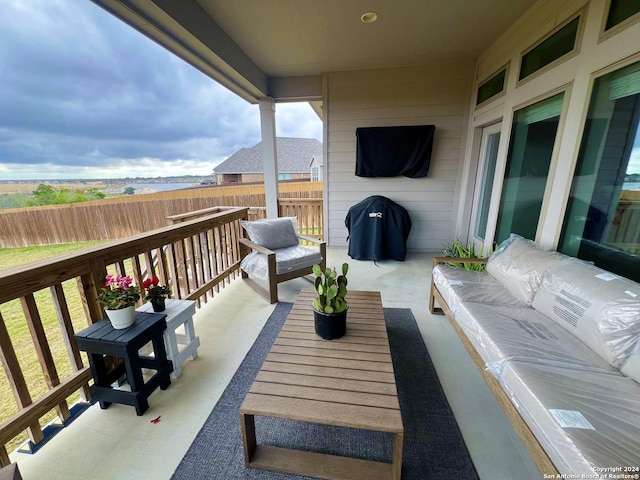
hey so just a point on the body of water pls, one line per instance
(160, 187)
(631, 186)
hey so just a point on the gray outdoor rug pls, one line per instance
(433, 446)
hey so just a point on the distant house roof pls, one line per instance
(294, 156)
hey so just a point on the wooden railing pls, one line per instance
(57, 297)
(625, 231)
(308, 212)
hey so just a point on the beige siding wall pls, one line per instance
(438, 95)
(574, 76)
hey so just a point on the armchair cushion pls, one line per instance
(272, 233)
(287, 260)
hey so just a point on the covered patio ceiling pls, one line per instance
(280, 49)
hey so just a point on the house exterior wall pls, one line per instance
(229, 178)
(597, 54)
(436, 94)
(252, 177)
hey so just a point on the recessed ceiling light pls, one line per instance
(369, 17)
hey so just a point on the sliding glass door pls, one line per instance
(484, 182)
(531, 145)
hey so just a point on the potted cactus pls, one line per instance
(330, 306)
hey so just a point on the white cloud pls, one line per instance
(297, 120)
(634, 161)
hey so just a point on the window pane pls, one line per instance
(602, 221)
(491, 155)
(620, 10)
(532, 138)
(491, 87)
(554, 47)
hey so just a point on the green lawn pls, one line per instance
(13, 257)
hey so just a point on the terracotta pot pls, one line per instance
(122, 318)
(330, 325)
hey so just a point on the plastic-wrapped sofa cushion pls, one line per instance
(518, 264)
(272, 233)
(584, 419)
(287, 260)
(631, 367)
(458, 285)
(598, 307)
(506, 332)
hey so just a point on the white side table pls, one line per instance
(179, 314)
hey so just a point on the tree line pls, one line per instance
(48, 195)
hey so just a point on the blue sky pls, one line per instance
(82, 95)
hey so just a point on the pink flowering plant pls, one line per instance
(118, 292)
(154, 289)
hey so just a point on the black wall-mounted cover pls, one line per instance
(394, 151)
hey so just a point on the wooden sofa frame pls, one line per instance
(531, 443)
(271, 294)
(10, 472)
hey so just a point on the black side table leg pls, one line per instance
(142, 406)
(134, 376)
(100, 374)
(160, 352)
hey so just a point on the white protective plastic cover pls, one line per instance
(505, 332)
(287, 260)
(598, 307)
(458, 285)
(631, 367)
(273, 233)
(519, 264)
(587, 422)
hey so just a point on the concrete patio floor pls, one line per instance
(116, 444)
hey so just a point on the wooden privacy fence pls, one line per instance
(129, 215)
(43, 304)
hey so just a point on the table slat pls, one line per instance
(326, 413)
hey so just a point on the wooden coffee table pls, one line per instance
(347, 382)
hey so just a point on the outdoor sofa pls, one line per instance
(558, 342)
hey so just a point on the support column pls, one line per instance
(269, 154)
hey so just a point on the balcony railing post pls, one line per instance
(64, 319)
(43, 352)
(89, 285)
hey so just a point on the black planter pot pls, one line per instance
(330, 325)
(158, 304)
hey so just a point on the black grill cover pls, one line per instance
(378, 229)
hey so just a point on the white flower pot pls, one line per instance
(122, 318)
